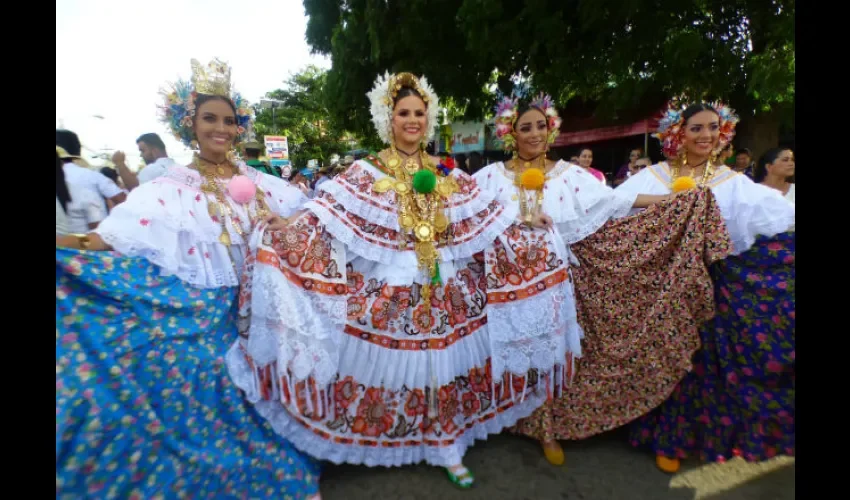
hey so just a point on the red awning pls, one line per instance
(605, 134)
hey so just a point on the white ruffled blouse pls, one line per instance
(167, 222)
(748, 209)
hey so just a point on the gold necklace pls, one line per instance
(420, 214)
(707, 172)
(524, 194)
(218, 207)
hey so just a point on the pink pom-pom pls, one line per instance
(241, 189)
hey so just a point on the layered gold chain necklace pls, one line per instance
(707, 172)
(218, 206)
(421, 196)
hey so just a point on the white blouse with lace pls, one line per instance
(167, 222)
(577, 202)
(748, 209)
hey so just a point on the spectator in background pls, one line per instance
(725, 154)
(112, 175)
(623, 173)
(775, 169)
(476, 162)
(303, 180)
(460, 162)
(68, 148)
(574, 160)
(744, 163)
(585, 160)
(153, 153)
(78, 210)
(640, 164)
(251, 153)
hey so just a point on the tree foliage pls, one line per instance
(303, 117)
(614, 52)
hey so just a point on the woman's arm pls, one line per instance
(90, 241)
(645, 200)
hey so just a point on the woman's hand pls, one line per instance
(541, 221)
(276, 223)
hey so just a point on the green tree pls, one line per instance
(613, 52)
(303, 117)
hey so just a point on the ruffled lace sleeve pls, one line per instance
(752, 210)
(367, 222)
(579, 204)
(167, 222)
(283, 198)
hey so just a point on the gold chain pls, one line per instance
(707, 172)
(421, 216)
(522, 195)
(218, 206)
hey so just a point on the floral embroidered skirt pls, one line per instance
(351, 363)
(642, 289)
(144, 404)
(739, 400)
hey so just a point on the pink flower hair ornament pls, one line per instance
(507, 113)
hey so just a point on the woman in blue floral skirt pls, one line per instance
(739, 398)
(146, 308)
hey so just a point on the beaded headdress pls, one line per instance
(671, 126)
(507, 113)
(178, 110)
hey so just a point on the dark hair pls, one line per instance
(744, 151)
(407, 92)
(110, 173)
(768, 157)
(68, 141)
(460, 159)
(205, 98)
(476, 162)
(253, 152)
(525, 108)
(62, 191)
(582, 150)
(152, 139)
(693, 109)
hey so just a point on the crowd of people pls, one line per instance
(222, 330)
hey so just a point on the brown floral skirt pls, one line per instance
(642, 290)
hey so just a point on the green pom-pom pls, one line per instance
(424, 181)
(436, 279)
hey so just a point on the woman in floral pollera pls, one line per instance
(382, 317)
(738, 400)
(629, 275)
(144, 405)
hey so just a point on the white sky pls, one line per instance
(112, 57)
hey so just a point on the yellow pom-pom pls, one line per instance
(683, 184)
(533, 178)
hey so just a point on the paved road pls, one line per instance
(602, 468)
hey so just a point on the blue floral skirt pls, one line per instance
(739, 400)
(144, 405)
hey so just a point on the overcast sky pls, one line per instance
(112, 57)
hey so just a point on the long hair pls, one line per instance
(61, 187)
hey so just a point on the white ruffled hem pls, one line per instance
(308, 442)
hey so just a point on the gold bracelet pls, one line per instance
(83, 240)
